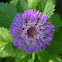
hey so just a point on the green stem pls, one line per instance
(33, 57)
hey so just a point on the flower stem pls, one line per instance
(33, 57)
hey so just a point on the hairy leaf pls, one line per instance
(14, 51)
(22, 6)
(42, 5)
(7, 13)
(4, 35)
(6, 46)
(49, 8)
(4, 40)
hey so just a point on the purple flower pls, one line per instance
(31, 31)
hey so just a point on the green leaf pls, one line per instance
(33, 57)
(7, 49)
(42, 5)
(22, 6)
(56, 20)
(14, 51)
(4, 40)
(4, 35)
(49, 8)
(14, 2)
(6, 46)
(32, 4)
(7, 13)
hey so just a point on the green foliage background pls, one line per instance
(9, 53)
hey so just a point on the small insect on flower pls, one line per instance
(31, 32)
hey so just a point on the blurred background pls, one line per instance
(43, 56)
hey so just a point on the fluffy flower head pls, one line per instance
(31, 31)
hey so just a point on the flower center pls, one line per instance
(31, 31)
